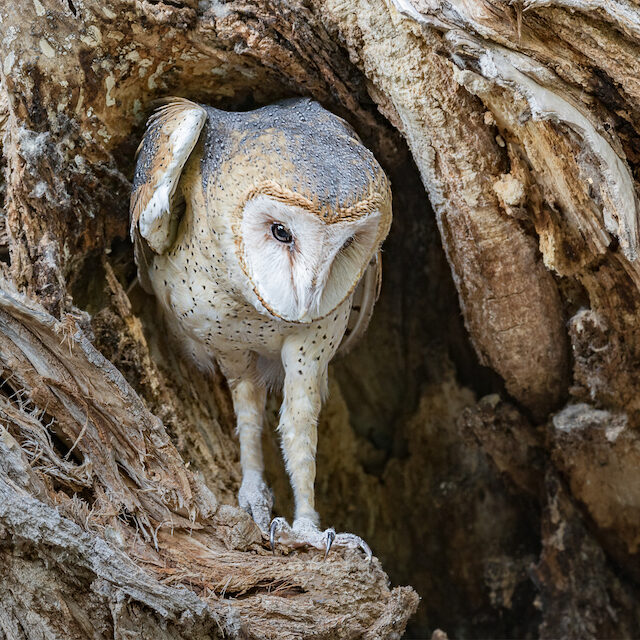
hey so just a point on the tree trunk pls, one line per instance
(483, 438)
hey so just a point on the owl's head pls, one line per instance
(307, 205)
(302, 266)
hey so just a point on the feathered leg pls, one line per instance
(304, 386)
(249, 397)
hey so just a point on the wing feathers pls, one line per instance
(364, 299)
(172, 133)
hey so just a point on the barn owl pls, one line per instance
(259, 234)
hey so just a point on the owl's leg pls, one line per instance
(303, 385)
(254, 496)
(299, 431)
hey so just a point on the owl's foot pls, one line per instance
(256, 498)
(304, 533)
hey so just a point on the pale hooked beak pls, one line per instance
(311, 301)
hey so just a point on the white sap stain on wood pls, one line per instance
(110, 83)
(93, 37)
(8, 63)
(47, 49)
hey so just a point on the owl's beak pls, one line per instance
(311, 288)
(310, 300)
(305, 309)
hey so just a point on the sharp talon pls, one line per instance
(367, 549)
(331, 536)
(272, 536)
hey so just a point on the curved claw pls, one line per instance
(304, 533)
(272, 534)
(367, 550)
(356, 542)
(331, 536)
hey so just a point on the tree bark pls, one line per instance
(483, 437)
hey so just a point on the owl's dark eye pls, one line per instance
(281, 233)
(348, 242)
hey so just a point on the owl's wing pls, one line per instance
(364, 299)
(172, 133)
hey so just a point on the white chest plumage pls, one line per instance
(268, 267)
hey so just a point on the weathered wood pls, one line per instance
(142, 525)
(523, 121)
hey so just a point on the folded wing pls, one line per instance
(364, 299)
(171, 135)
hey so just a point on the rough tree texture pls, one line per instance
(483, 438)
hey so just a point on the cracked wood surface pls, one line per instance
(523, 121)
(146, 528)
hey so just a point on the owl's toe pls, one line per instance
(330, 536)
(352, 541)
(278, 525)
(256, 499)
(305, 533)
